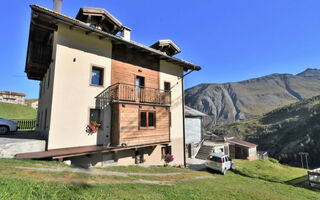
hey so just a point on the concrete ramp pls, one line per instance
(9, 147)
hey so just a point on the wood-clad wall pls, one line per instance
(126, 73)
(129, 131)
(126, 64)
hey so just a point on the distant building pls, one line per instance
(12, 97)
(233, 147)
(32, 103)
(241, 149)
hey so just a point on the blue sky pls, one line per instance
(232, 40)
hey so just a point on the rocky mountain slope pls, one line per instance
(230, 102)
(283, 132)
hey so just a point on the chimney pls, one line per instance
(125, 33)
(57, 5)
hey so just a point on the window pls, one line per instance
(139, 158)
(216, 159)
(147, 119)
(96, 76)
(165, 151)
(94, 115)
(140, 81)
(139, 85)
(167, 86)
(151, 119)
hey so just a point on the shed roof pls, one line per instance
(242, 142)
(190, 112)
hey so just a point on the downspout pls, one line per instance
(184, 128)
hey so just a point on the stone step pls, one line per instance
(204, 151)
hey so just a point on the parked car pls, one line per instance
(219, 162)
(8, 125)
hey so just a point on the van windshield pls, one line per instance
(215, 159)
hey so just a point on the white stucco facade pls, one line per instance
(173, 73)
(76, 54)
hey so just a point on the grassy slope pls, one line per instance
(24, 184)
(15, 111)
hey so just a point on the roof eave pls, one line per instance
(74, 22)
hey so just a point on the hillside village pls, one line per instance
(113, 120)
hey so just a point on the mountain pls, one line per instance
(236, 101)
(283, 132)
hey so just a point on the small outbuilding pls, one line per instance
(193, 130)
(240, 149)
(193, 125)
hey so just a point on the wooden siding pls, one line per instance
(128, 123)
(115, 124)
(126, 73)
(135, 57)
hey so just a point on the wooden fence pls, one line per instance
(26, 124)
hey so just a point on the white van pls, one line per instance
(219, 162)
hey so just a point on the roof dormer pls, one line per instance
(99, 18)
(166, 46)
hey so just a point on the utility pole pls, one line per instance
(305, 154)
(307, 160)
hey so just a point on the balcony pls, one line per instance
(122, 92)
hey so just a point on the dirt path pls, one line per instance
(164, 178)
(98, 172)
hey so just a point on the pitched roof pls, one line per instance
(98, 11)
(101, 18)
(167, 46)
(12, 93)
(190, 112)
(58, 17)
(241, 142)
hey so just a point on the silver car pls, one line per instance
(8, 125)
(219, 162)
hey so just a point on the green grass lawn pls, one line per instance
(250, 180)
(16, 111)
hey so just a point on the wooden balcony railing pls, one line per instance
(133, 93)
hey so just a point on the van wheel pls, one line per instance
(224, 171)
(4, 130)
